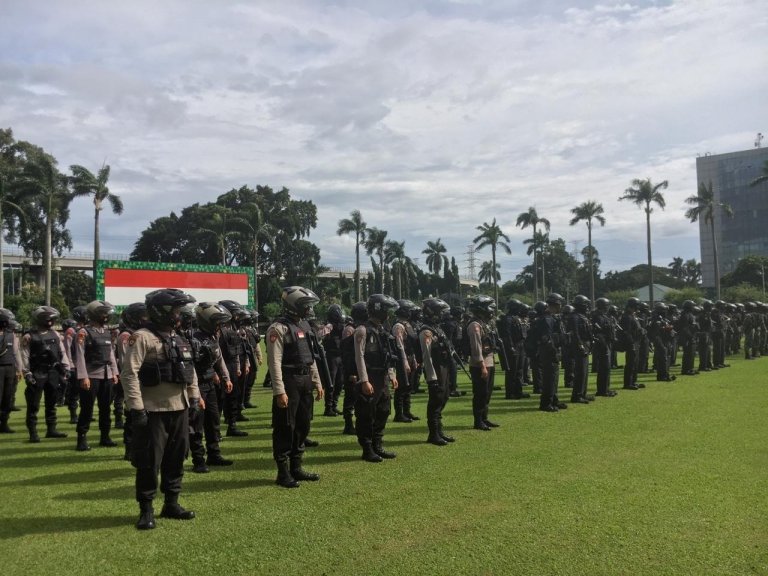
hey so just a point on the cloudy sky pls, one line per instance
(430, 117)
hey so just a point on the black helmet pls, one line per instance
(434, 309)
(187, 317)
(644, 307)
(581, 303)
(359, 312)
(567, 309)
(513, 306)
(44, 316)
(335, 314)
(404, 308)
(672, 307)
(660, 308)
(243, 317)
(613, 310)
(554, 298)
(135, 315)
(457, 311)
(211, 315)
(230, 305)
(99, 311)
(602, 304)
(164, 306)
(69, 323)
(6, 317)
(484, 307)
(379, 306)
(298, 301)
(706, 304)
(688, 305)
(79, 314)
(633, 303)
(415, 315)
(540, 307)
(720, 305)
(523, 311)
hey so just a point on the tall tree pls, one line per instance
(532, 219)
(489, 273)
(42, 178)
(692, 272)
(703, 205)
(436, 258)
(394, 255)
(643, 193)
(676, 267)
(491, 235)
(85, 183)
(588, 212)
(221, 229)
(375, 241)
(357, 226)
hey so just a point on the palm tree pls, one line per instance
(42, 179)
(536, 245)
(257, 230)
(7, 200)
(489, 272)
(587, 212)
(676, 268)
(375, 240)
(762, 178)
(491, 235)
(692, 271)
(703, 205)
(436, 258)
(357, 226)
(531, 218)
(84, 183)
(394, 254)
(644, 193)
(222, 227)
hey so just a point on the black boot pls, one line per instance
(443, 435)
(379, 450)
(146, 517)
(4, 429)
(119, 422)
(349, 426)
(199, 467)
(218, 460)
(407, 409)
(329, 411)
(434, 437)
(106, 440)
(33, 437)
(284, 477)
(73, 415)
(233, 430)
(53, 433)
(299, 473)
(82, 444)
(175, 511)
(369, 455)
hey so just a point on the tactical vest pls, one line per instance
(298, 352)
(380, 348)
(98, 348)
(7, 357)
(175, 364)
(44, 351)
(439, 350)
(231, 344)
(205, 352)
(332, 340)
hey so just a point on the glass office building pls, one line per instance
(747, 232)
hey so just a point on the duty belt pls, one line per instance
(299, 370)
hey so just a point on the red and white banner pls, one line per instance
(125, 286)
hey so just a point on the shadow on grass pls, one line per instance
(61, 458)
(78, 477)
(19, 527)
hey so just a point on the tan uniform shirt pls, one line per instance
(476, 330)
(80, 365)
(25, 352)
(278, 335)
(69, 337)
(16, 352)
(426, 337)
(166, 396)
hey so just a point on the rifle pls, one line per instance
(321, 360)
(498, 343)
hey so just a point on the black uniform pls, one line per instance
(579, 345)
(604, 337)
(548, 335)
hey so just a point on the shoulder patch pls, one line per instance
(81, 337)
(476, 329)
(131, 340)
(272, 336)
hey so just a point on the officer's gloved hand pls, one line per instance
(432, 384)
(30, 379)
(139, 418)
(194, 405)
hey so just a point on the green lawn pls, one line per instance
(672, 479)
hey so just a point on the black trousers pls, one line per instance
(580, 374)
(689, 356)
(7, 388)
(630, 366)
(550, 376)
(372, 411)
(47, 388)
(230, 401)
(661, 359)
(601, 358)
(718, 348)
(481, 392)
(513, 378)
(101, 393)
(705, 352)
(205, 424)
(438, 398)
(402, 396)
(333, 391)
(290, 425)
(160, 446)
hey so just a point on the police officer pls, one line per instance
(96, 373)
(291, 358)
(357, 316)
(211, 374)
(659, 333)
(406, 338)
(133, 317)
(512, 336)
(630, 334)
(233, 350)
(45, 364)
(604, 337)
(10, 367)
(160, 385)
(580, 338)
(452, 328)
(482, 340)
(376, 355)
(332, 345)
(548, 334)
(251, 339)
(436, 355)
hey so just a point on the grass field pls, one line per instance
(672, 479)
